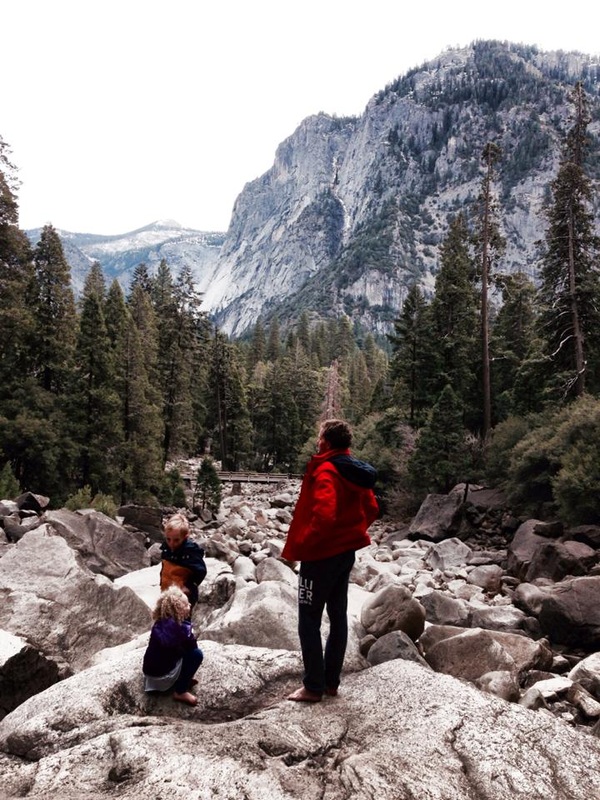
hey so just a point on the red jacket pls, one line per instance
(332, 513)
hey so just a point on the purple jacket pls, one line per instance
(169, 640)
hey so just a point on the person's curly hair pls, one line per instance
(337, 432)
(171, 603)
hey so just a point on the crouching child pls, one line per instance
(172, 656)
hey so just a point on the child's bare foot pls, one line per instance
(186, 697)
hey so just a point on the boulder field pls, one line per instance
(473, 665)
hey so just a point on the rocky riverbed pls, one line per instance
(473, 665)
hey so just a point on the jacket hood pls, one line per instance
(354, 470)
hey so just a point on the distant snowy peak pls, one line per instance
(170, 224)
(119, 254)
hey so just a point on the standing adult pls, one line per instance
(334, 510)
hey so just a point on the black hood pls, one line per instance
(355, 470)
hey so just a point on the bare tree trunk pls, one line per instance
(577, 332)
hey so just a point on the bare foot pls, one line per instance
(186, 697)
(304, 695)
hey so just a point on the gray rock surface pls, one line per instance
(395, 644)
(49, 597)
(393, 609)
(438, 517)
(570, 612)
(106, 547)
(24, 672)
(396, 731)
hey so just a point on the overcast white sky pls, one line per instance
(122, 112)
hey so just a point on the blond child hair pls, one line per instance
(171, 603)
(178, 522)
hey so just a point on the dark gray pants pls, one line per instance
(324, 584)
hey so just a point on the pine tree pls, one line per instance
(170, 366)
(94, 399)
(194, 349)
(304, 332)
(38, 431)
(489, 243)
(511, 339)
(283, 416)
(343, 338)
(228, 412)
(140, 279)
(411, 360)
(258, 347)
(16, 279)
(320, 345)
(55, 316)
(360, 387)
(454, 315)
(143, 431)
(375, 358)
(208, 487)
(274, 341)
(333, 400)
(441, 460)
(569, 321)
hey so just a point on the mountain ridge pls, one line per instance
(119, 254)
(353, 209)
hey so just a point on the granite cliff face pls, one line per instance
(353, 210)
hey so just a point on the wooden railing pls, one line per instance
(256, 477)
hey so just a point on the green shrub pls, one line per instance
(105, 504)
(81, 499)
(505, 436)
(172, 491)
(555, 469)
(9, 485)
(99, 502)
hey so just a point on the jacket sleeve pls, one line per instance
(197, 565)
(190, 639)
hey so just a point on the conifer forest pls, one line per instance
(489, 378)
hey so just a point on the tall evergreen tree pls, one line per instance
(510, 340)
(16, 326)
(320, 345)
(140, 278)
(274, 341)
(454, 314)
(54, 308)
(169, 361)
(193, 347)
(304, 332)
(411, 360)
(41, 448)
(258, 346)
(489, 243)
(440, 460)
(228, 410)
(94, 399)
(143, 430)
(569, 322)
